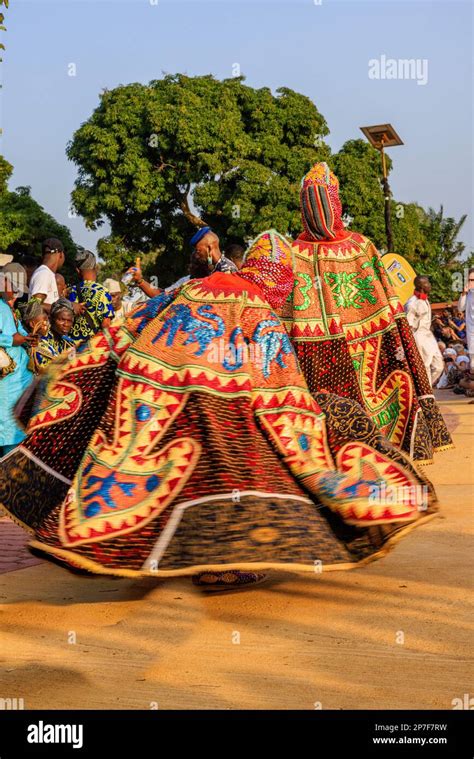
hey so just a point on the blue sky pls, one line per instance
(321, 50)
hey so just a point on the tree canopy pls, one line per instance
(24, 224)
(158, 160)
(427, 239)
(357, 166)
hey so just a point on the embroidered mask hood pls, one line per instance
(320, 204)
(269, 264)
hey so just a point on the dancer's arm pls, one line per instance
(142, 284)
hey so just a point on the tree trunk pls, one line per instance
(184, 205)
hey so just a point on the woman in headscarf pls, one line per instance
(54, 337)
(349, 329)
(195, 448)
(98, 310)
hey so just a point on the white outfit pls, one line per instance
(121, 314)
(177, 284)
(135, 298)
(466, 303)
(43, 280)
(418, 313)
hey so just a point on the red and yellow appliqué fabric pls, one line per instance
(349, 328)
(187, 439)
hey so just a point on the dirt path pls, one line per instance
(393, 635)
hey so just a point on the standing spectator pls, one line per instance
(14, 373)
(43, 284)
(61, 285)
(235, 253)
(418, 312)
(98, 311)
(466, 306)
(206, 248)
(206, 259)
(120, 308)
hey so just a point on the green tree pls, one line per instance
(409, 232)
(6, 170)
(358, 167)
(3, 28)
(24, 224)
(442, 232)
(444, 253)
(427, 239)
(159, 160)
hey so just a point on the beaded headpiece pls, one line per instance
(320, 204)
(269, 264)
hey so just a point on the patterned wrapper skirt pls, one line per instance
(351, 336)
(145, 456)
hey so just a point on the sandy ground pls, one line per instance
(393, 635)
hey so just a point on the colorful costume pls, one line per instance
(187, 441)
(349, 329)
(98, 307)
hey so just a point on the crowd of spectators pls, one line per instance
(449, 328)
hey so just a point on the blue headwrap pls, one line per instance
(199, 235)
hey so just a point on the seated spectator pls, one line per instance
(34, 318)
(451, 373)
(447, 319)
(460, 349)
(442, 332)
(463, 363)
(54, 336)
(465, 384)
(459, 324)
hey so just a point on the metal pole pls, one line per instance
(387, 195)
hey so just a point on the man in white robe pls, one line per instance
(418, 311)
(466, 303)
